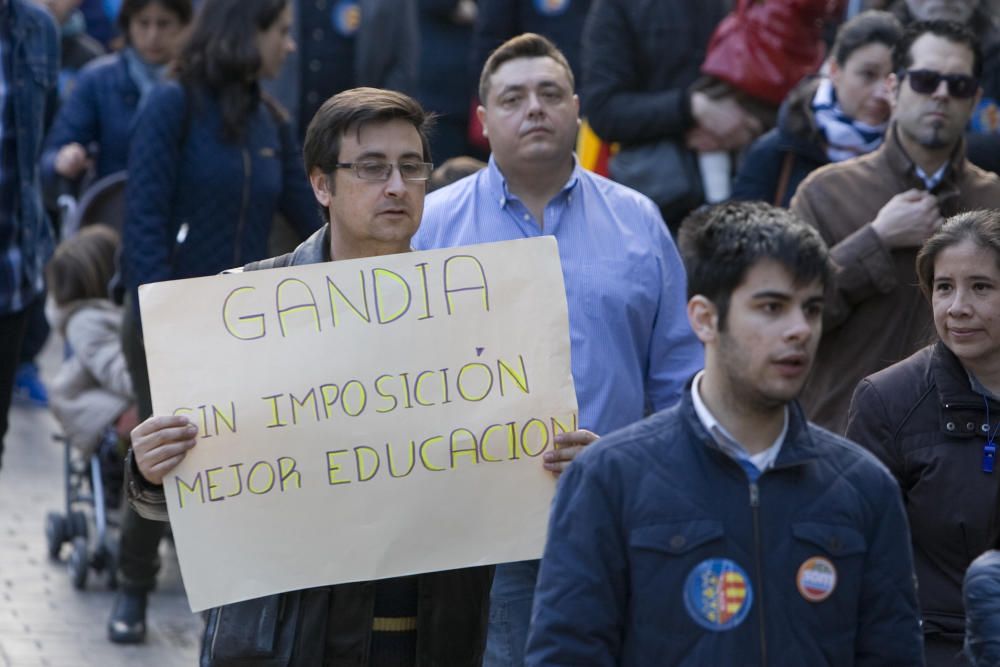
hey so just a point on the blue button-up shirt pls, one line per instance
(632, 347)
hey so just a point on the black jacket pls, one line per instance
(499, 20)
(796, 138)
(640, 57)
(924, 421)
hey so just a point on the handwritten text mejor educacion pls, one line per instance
(297, 312)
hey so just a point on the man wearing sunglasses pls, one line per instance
(876, 211)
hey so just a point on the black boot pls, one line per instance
(127, 624)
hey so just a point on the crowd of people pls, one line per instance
(783, 288)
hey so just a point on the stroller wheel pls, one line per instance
(77, 524)
(79, 563)
(56, 533)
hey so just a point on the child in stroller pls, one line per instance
(91, 395)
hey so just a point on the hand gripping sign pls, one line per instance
(361, 419)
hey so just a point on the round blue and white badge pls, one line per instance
(346, 17)
(718, 594)
(551, 7)
(816, 579)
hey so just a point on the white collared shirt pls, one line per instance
(934, 179)
(762, 460)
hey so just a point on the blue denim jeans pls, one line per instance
(510, 613)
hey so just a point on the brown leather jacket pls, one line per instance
(923, 420)
(875, 313)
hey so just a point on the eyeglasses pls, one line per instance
(926, 81)
(380, 170)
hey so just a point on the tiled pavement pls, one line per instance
(44, 621)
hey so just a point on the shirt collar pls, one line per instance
(901, 163)
(934, 179)
(763, 460)
(498, 183)
(979, 387)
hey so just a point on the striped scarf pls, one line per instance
(845, 137)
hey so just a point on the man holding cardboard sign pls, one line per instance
(367, 156)
(632, 348)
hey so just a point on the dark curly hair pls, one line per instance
(720, 244)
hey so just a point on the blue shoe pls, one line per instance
(28, 386)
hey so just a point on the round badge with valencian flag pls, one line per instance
(817, 579)
(717, 594)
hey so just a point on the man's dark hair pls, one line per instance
(528, 45)
(870, 27)
(902, 56)
(351, 110)
(720, 244)
(129, 8)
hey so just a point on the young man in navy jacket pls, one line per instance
(729, 529)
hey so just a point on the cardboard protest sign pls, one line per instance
(361, 419)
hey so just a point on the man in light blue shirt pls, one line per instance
(632, 346)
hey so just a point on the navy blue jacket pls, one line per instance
(195, 204)
(100, 110)
(797, 136)
(559, 20)
(445, 86)
(982, 608)
(639, 61)
(641, 514)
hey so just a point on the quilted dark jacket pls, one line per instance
(641, 516)
(196, 204)
(982, 607)
(100, 110)
(924, 421)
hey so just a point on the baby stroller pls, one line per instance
(89, 485)
(93, 476)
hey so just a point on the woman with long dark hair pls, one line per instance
(212, 160)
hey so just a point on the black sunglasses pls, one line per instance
(926, 81)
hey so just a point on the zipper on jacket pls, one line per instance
(238, 246)
(755, 509)
(962, 405)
